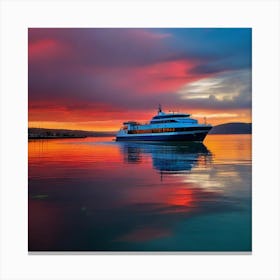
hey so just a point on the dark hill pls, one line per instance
(232, 128)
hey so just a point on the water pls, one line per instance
(95, 194)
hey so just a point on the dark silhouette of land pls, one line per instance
(47, 133)
(232, 128)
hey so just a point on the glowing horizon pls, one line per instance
(111, 126)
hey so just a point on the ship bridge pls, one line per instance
(174, 117)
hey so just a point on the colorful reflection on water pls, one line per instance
(95, 194)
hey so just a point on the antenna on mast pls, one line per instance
(159, 108)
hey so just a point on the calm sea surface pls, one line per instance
(95, 194)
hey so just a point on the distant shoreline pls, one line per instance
(49, 133)
(46, 133)
(80, 137)
(232, 128)
(55, 137)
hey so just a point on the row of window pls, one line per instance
(171, 116)
(166, 121)
(161, 130)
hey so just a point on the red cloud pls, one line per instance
(165, 76)
(71, 111)
(46, 49)
(162, 77)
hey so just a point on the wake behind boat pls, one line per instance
(164, 127)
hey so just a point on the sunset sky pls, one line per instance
(97, 78)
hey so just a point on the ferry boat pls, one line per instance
(164, 127)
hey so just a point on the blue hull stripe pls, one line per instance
(177, 137)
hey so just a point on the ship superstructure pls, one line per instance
(164, 127)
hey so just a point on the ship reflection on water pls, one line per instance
(167, 158)
(98, 195)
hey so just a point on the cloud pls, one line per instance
(100, 47)
(75, 71)
(231, 89)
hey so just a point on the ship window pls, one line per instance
(159, 130)
(171, 116)
(162, 121)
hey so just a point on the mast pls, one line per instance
(159, 108)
